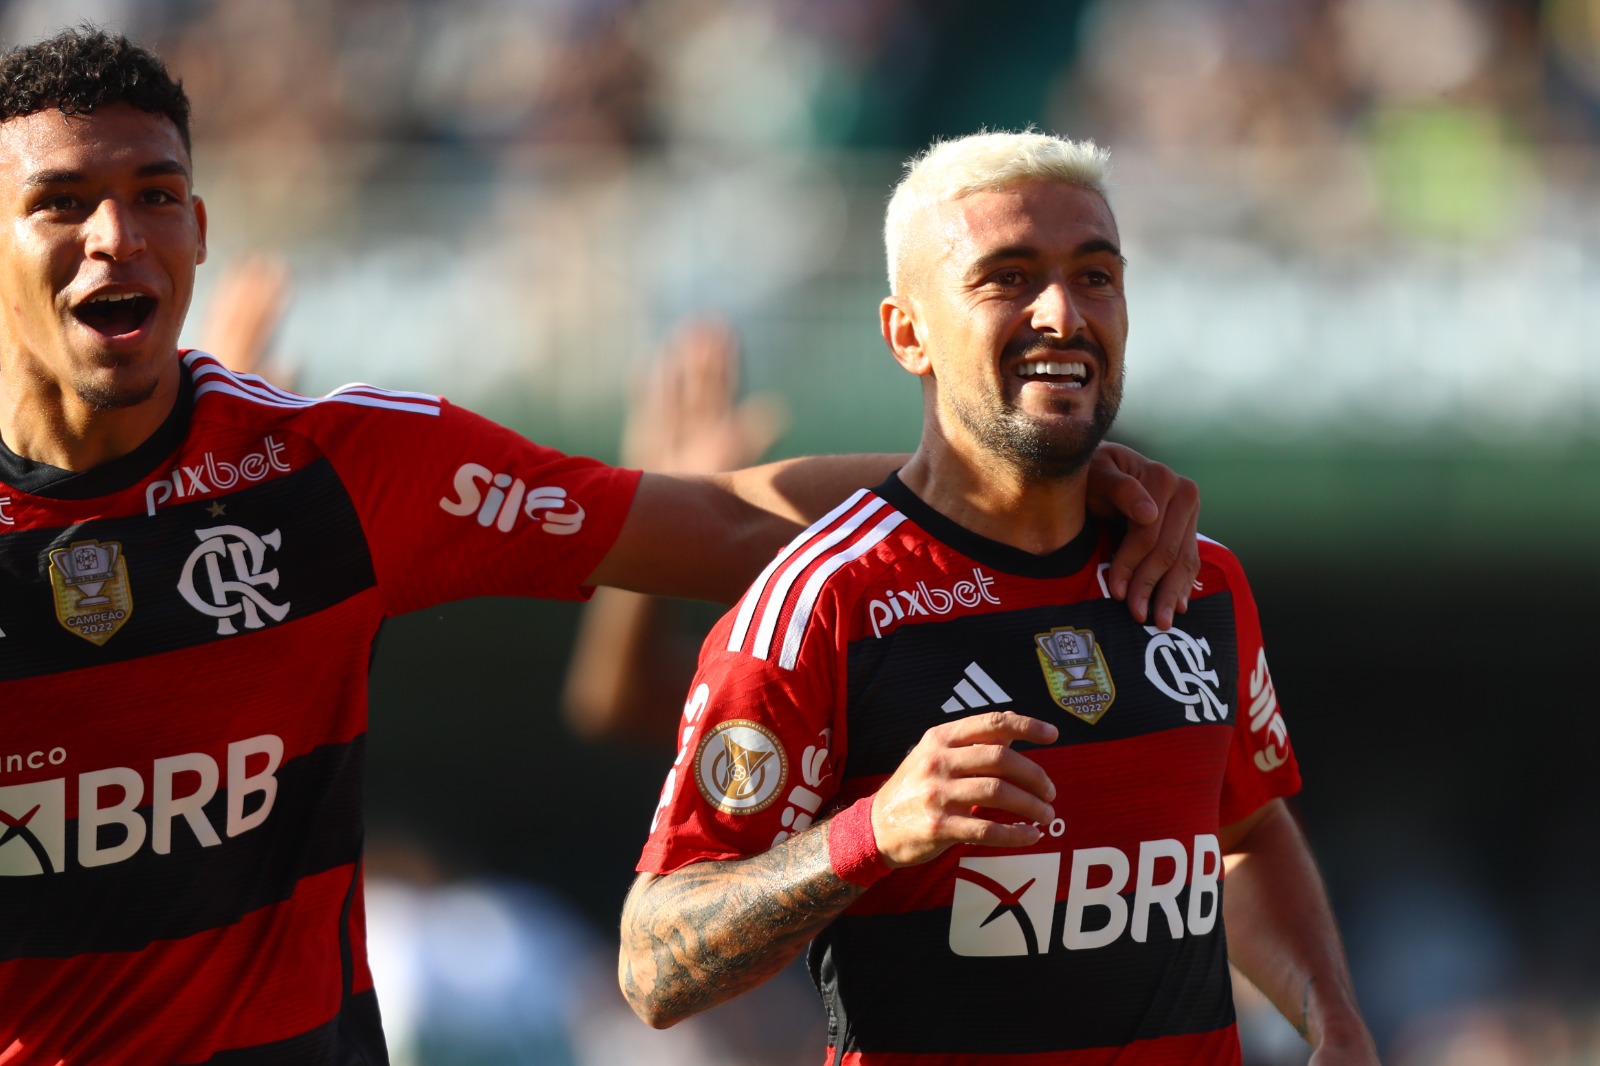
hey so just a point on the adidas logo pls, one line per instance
(975, 690)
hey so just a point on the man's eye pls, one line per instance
(158, 196)
(58, 203)
(1008, 278)
(1098, 277)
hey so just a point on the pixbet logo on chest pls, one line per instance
(922, 600)
(209, 475)
(111, 826)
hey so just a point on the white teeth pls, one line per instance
(112, 297)
(1068, 370)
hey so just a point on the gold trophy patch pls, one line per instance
(1075, 670)
(90, 580)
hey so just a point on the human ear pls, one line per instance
(200, 221)
(897, 318)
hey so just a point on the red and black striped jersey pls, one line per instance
(1101, 943)
(185, 634)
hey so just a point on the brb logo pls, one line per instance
(111, 826)
(5, 516)
(209, 475)
(1179, 665)
(243, 556)
(922, 600)
(1006, 904)
(507, 497)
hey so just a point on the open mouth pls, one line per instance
(1073, 374)
(115, 314)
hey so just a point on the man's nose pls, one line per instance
(113, 232)
(1054, 310)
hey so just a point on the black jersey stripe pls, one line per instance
(1057, 1000)
(321, 559)
(355, 1038)
(899, 683)
(314, 826)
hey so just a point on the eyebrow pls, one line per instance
(1092, 246)
(162, 169)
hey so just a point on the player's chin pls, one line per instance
(118, 388)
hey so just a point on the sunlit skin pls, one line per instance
(992, 281)
(92, 205)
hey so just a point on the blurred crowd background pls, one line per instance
(1364, 244)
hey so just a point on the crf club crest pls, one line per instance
(90, 581)
(1075, 670)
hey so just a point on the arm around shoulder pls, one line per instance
(707, 536)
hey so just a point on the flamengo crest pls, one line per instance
(1075, 670)
(223, 578)
(90, 580)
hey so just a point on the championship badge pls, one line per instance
(740, 767)
(90, 579)
(1076, 672)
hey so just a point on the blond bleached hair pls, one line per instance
(985, 162)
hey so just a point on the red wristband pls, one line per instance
(852, 847)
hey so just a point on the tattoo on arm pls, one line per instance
(711, 931)
(1303, 1027)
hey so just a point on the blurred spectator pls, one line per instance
(633, 659)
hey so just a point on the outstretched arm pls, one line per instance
(708, 536)
(1282, 936)
(705, 933)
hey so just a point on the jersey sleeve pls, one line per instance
(455, 506)
(1261, 761)
(758, 747)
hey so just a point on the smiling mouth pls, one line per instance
(115, 315)
(1062, 372)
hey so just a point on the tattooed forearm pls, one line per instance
(708, 932)
(1304, 1025)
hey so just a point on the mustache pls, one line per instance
(1036, 346)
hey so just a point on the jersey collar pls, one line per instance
(1065, 560)
(51, 482)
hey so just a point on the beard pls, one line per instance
(105, 396)
(1045, 450)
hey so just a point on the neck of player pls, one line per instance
(46, 421)
(993, 499)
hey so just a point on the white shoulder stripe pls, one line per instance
(796, 630)
(752, 597)
(232, 389)
(211, 376)
(779, 593)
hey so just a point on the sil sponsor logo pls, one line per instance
(1265, 719)
(211, 475)
(805, 798)
(501, 500)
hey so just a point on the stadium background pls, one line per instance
(1364, 241)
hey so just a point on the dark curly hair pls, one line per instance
(81, 69)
